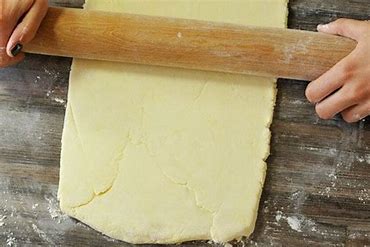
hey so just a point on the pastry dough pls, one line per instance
(162, 155)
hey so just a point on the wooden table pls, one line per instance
(317, 190)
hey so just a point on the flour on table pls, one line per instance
(10, 241)
(42, 235)
(294, 223)
(2, 220)
(54, 210)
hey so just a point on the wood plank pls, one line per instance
(318, 178)
(307, 15)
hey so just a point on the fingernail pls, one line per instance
(17, 49)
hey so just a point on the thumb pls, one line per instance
(349, 28)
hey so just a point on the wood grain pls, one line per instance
(189, 44)
(318, 172)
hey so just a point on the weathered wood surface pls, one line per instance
(317, 190)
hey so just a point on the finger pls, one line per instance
(14, 60)
(27, 28)
(334, 104)
(330, 81)
(353, 29)
(6, 61)
(11, 17)
(356, 113)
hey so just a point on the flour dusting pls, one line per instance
(367, 159)
(298, 222)
(42, 234)
(2, 218)
(55, 93)
(330, 152)
(54, 211)
(298, 102)
(278, 216)
(360, 159)
(364, 196)
(10, 241)
(59, 100)
(294, 223)
(52, 95)
(37, 79)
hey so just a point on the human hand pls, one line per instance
(19, 22)
(345, 88)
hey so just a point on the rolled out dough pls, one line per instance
(162, 155)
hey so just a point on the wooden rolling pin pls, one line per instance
(188, 44)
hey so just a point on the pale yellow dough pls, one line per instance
(161, 155)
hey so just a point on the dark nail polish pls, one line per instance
(17, 49)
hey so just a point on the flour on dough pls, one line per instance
(162, 155)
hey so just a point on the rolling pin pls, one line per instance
(190, 44)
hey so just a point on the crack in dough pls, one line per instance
(116, 160)
(189, 188)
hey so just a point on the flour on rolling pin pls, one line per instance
(301, 46)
